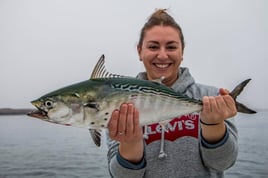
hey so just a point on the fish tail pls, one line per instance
(239, 106)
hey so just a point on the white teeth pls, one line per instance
(162, 65)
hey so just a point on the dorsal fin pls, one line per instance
(100, 71)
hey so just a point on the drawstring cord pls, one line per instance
(162, 153)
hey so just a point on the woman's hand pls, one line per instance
(125, 128)
(215, 111)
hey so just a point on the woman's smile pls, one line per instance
(161, 53)
(162, 66)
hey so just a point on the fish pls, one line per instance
(90, 103)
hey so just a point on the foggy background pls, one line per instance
(45, 45)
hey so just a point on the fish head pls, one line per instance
(52, 109)
(74, 105)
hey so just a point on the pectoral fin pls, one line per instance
(93, 105)
(96, 136)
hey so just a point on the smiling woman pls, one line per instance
(206, 148)
(41, 51)
(161, 56)
(161, 50)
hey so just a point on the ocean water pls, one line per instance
(33, 148)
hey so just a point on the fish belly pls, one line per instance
(155, 109)
(152, 109)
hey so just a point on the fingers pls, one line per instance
(206, 105)
(229, 102)
(213, 104)
(129, 120)
(136, 122)
(224, 91)
(121, 127)
(124, 123)
(218, 108)
(112, 126)
(117, 124)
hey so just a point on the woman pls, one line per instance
(188, 148)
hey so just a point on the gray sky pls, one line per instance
(45, 45)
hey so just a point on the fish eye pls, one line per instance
(49, 104)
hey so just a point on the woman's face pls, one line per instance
(161, 53)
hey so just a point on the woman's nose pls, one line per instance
(162, 54)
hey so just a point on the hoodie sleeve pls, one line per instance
(119, 167)
(223, 154)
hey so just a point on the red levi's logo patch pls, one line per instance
(178, 127)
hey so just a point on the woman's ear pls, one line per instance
(139, 51)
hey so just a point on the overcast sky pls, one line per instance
(48, 44)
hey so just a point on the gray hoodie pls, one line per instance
(187, 154)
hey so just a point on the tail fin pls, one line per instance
(236, 91)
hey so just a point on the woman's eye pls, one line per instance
(171, 47)
(153, 47)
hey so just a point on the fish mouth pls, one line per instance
(38, 114)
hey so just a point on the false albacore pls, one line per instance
(89, 104)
